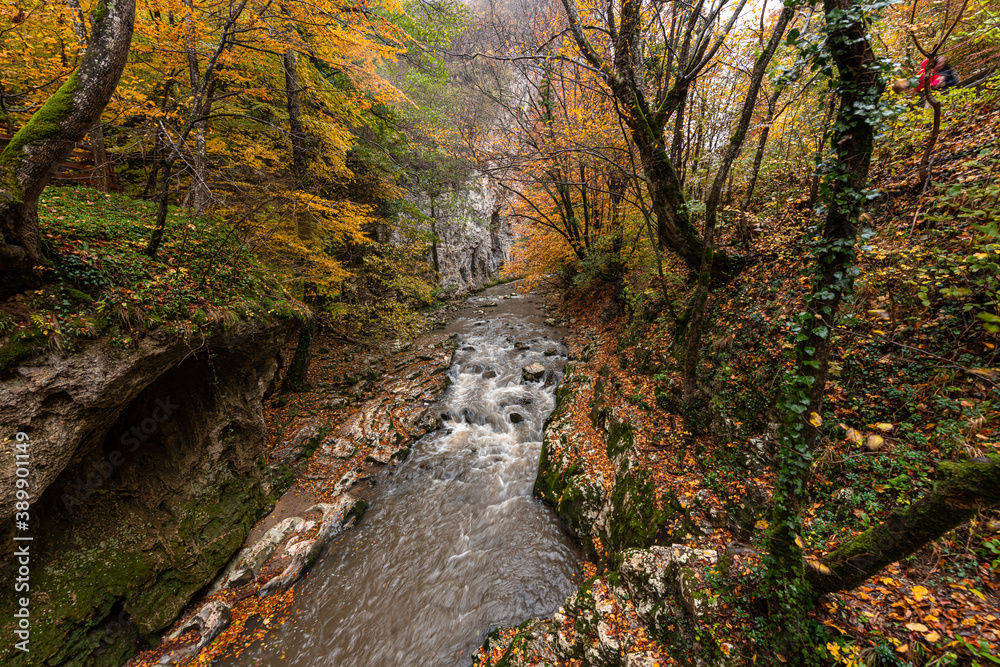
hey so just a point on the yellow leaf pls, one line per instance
(917, 627)
(932, 637)
(883, 426)
(919, 592)
(799, 543)
(902, 648)
(815, 419)
(819, 567)
(874, 442)
(780, 657)
(855, 436)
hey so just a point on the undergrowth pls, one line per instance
(99, 281)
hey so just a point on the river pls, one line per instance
(453, 544)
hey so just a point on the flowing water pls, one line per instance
(454, 544)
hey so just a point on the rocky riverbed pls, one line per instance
(347, 443)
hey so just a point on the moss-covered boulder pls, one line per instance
(147, 477)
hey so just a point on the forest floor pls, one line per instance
(914, 381)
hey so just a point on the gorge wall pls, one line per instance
(145, 477)
(475, 239)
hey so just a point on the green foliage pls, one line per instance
(99, 276)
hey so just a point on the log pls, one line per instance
(963, 489)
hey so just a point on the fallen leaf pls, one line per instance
(917, 627)
(854, 436)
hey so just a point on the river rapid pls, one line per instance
(453, 544)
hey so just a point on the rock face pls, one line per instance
(475, 239)
(145, 479)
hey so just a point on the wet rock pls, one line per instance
(521, 346)
(386, 453)
(445, 417)
(287, 454)
(490, 304)
(516, 401)
(468, 348)
(210, 620)
(251, 560)
(305, 434)
(338, 448)
(489, 373)
(533, 372)
(551, 353)
(337, 515)
(516, 418)
(303, 555)
(349, 479)
(550, 321)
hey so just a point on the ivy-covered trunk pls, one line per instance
(859, 87)
(52, 133)
(963, 490)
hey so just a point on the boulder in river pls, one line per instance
(516, 418)
(533, 372)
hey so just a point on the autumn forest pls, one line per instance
(749, 250)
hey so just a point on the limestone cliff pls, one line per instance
(475, 239)
(145, 478)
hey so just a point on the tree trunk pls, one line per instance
(701, 297)
(201, 103)
(964, 489)
(758, 158)
(295, 129)
(198, 192)
(296, 379)
(102, 169)
(814, 186)
(48, 138)
(801, 404)
(925, 161)
(647, 121)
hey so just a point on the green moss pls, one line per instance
(634, 518)
(619, 440)
(111, 571)
(45, 124)
(100, 11)
(20, 346)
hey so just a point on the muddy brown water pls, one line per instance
(453, 544)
